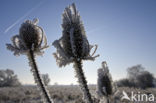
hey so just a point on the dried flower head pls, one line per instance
(73, 43)
(31, 37)
(105, 85)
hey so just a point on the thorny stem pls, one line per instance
(38, 77)
(107, 99)
(82, 81)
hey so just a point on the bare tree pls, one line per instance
(134, 71)
(137, 77)
(8, 78)
(46, 79)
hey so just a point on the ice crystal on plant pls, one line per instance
(38, 80)
(30, 37)
(105, 85)
(73, 47)
(73, 43)
(30, 41)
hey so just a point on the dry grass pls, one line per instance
(61, 94)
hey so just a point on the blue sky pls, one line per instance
(125, 31)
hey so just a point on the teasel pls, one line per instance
(106, 88)
(31, 41)
(73, 47)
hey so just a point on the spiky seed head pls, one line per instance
(73, 43)
(105, 85)
(31, 34)
(74, 37)
(31, 37)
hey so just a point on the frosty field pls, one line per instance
(78, 51)
(61, 94)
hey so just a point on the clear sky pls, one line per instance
(125, 31)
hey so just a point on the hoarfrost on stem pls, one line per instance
(106, 88)
(73, 47)
(31, 41)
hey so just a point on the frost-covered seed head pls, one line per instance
(73, 43)
(31, 37)
(31, 34)
(105, 85)
(74, 39)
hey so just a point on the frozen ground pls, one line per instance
(61, 94)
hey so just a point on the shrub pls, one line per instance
(125, 83)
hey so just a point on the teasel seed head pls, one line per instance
(30, 37)
(105, 85)
(73, 44)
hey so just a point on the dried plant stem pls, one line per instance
(38, 79)
(82, 81)
(107, 99)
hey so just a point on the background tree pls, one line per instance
(46, 79)
(145, 80)
(8, 78)
(137, 77)
(133, 71)
(125, 82)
